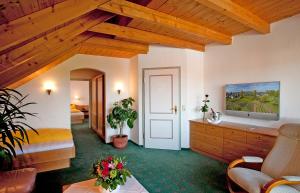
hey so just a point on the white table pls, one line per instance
(88, 186)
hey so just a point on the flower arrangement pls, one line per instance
(110, 172)
(205, 107)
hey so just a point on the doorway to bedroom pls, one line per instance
(87, 96)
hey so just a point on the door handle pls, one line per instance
(174, 109)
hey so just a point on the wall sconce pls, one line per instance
(119, 87)
(77, 98)
(49, 87)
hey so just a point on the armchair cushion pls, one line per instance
(284, 189)
(252, 181)
(249, 180)
(292, 178)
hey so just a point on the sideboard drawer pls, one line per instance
(207, 148)
(263, 141)
(231, 156)
(235, 135)
(212, 140)
(231, 146)
(256, 151)
(214, 130)
(213, 150)
(197, 128)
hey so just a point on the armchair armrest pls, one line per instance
(285, 180)
(246, 159)
(252, 159)
(292, 178)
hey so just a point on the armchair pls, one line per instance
(280, 171)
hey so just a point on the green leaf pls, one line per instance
(122, 113)
(13, 119)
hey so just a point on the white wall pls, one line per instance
(190, 63)
(133, 92)
(255, 58)
(54, 111)
(79, 92)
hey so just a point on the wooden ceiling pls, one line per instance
(36, 35)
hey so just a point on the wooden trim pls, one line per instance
(144, 36)
(53, 165)
(27, 27)
(235, 163)
(46, 160)
(133, 10)
(277, 182)
(237, 13)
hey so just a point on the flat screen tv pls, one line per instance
(254, 100)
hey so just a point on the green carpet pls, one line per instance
(161, 171)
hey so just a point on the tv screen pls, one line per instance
(256, 100)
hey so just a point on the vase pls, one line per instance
(120, 142)
(102, 190)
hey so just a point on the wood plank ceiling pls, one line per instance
(36, 35)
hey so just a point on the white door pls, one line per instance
(162, 102)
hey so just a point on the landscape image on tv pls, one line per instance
(253, 97)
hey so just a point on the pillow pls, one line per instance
(73, 106)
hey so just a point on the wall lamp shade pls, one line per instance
(49, 87)
(77, 98)
(119, 87)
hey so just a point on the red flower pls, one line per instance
(109, 158)
(104, 164)
(105, 173)
(119, 166)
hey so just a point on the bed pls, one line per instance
(77, 116)
(51, 149)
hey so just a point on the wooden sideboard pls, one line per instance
(229, 141)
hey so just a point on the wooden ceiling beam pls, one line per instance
(91, 49)
(237, 13)
(117, 44)
(144, 36)
(27, 27)
(126, 8)
(18, 72)
(42, 45)
(51, 64)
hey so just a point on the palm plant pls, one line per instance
(13, 126)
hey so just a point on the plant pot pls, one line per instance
(5, 161)
(102, 190)
(120, 142)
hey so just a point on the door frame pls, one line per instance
(179, 105)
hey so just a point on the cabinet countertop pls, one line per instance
(244, 127)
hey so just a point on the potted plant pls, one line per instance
(122, 113)
(204, 108)
(13, 125)
(110, 173)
